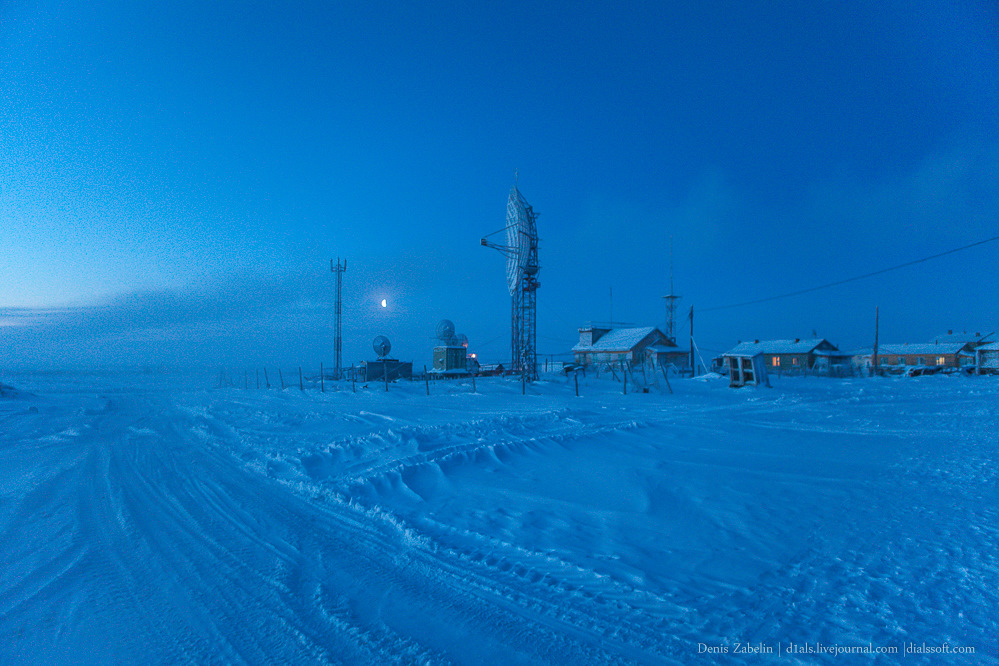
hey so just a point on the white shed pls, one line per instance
(746, 369)
(987, 358)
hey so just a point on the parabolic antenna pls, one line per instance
(445, 329)
(382, 346)
(461, 340)
(522, 267)
(516, 239)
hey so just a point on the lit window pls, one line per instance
(941, 360)
(794, 361)
(776, 361)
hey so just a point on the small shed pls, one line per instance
(746, 369)
(987, 358)
(450, 359)
(375, 370)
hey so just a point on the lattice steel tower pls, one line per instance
(671, 298)
(339, 269)
(522, 267)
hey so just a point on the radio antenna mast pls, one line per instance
(339, 269)
(671, 298)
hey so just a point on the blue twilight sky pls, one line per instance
(177, 175)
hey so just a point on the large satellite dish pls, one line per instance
(382, 346)
(445, 330)
(521, 252)
(518, 235)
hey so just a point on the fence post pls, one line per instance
(426, 379)
(353, 379)
(624, 379)
(301, 382)
(258, 379)
(322, 378)
(281, 376)
(575, 376)
(663, 368)
(267, 381)
(473, 383)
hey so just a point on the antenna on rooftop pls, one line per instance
(671, 298)
(382, 346)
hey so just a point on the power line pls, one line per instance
(851, 279)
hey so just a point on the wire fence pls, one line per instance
(633, 377)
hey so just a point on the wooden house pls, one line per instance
(791, 356)
(627, 345)
(897, 358)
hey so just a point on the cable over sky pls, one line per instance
(850, 279)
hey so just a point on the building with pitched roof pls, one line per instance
(629, 345)
(897, 358)
(793, 356)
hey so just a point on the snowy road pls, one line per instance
(166, 524)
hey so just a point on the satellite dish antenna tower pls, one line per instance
(382, 346)
(522, 267)
(671, 298)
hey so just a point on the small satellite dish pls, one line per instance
(445, 330)
(461, 340)
(382, 346)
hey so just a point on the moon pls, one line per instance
(384, 304)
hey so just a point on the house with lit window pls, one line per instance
(606, 345)
(897, 358)
(797, 356)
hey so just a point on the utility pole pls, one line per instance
(339, 269)
(693, 369)
(874, 357)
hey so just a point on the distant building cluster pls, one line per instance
(754, 362)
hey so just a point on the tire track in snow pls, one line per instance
(531, 594)
(179, 552)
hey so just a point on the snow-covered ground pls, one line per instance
(153, 518)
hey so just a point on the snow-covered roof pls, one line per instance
(927, 349)
(775, 347)
(617, 340)
(964, 336)
(832, 353)
(992, 346)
